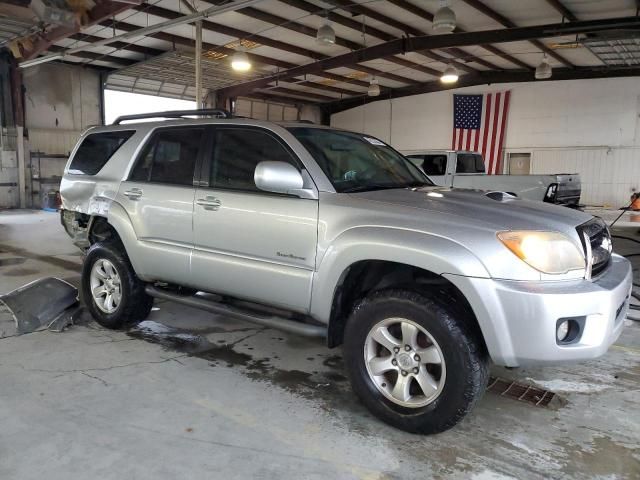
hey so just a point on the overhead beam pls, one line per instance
(257, 59)
(235, 32)
(121, 62)
(290, 92)
(561, 9)
(505, 22)
(41, 42)
(358, 26)
(412, 44)
(142, 31)
(279, 99)
(484, 78)
(311, 32)
(428, 16)
(349, 5)
(128, 47)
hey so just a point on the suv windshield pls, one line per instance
(355, 162)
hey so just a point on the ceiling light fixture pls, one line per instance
(444, 21)
(374, 88)
(326, 35)
(544, 70)
(240, 61)
(450, 75)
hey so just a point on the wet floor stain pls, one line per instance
(331, 387)
(50, 259)
(19, 272)
(4, 262)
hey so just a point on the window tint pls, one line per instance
(435, 164)
(469, 163)
(169, 157)
(96, 150)
(237, 152)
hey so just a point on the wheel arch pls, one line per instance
(372, 259)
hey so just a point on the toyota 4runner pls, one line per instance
(332, 233)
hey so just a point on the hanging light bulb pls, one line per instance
(450, 75)
(444, 21)
(374, 88)
(326, 35)
(240, 61)
(543, 71)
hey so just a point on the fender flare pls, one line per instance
(438, 255)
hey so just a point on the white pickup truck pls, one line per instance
(464, 169)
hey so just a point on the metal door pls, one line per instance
(249, 243)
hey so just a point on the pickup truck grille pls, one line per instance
(600, 242)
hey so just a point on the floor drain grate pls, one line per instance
(521, 391)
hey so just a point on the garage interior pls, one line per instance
(187, 393)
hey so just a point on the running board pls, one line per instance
(229, 311)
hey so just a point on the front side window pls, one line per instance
(435, 164)
(237, 152)
(356, 162)
(96, 150)
(470, 163)
(169, 157)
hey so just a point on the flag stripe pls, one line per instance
(485, 133)
(505, 108)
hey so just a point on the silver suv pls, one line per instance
(332, 233)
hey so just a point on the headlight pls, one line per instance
(547, 252)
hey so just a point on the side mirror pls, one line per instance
(278, 177)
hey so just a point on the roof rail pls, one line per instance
(203, 112)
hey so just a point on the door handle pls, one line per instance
(133, 194)
(209, 202)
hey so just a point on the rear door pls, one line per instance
(249, 243)
(158, 197)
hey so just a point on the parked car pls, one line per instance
(341, 236)
(464, 169)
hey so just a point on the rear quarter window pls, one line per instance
(96, 150)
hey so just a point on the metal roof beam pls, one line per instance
(428, 16)
(409, 30)
(483, 78)
(413, 44)
(42, 42)
(561, 9)
(505, 22)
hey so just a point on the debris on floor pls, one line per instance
(47, 302)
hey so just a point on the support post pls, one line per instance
(199, 64)
(22, 177)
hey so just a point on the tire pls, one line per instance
(452, 387)
(130, 303)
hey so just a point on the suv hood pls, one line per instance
(474, 205)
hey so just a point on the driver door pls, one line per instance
(249, 243)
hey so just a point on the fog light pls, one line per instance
(563, 331)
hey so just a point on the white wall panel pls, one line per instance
(53, 141)
(591, 127)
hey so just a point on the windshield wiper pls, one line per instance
(370, 187)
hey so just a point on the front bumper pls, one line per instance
(519, 319)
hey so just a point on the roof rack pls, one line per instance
(203, 112)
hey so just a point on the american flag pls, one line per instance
(479, 123)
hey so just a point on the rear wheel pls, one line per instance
(413, 362)
(111, 290)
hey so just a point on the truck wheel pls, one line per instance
(111, 290)
(413, 362)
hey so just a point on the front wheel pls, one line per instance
(413, 362)
(111, 290)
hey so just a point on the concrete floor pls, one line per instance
(188, 395)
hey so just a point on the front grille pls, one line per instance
(600, 241)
